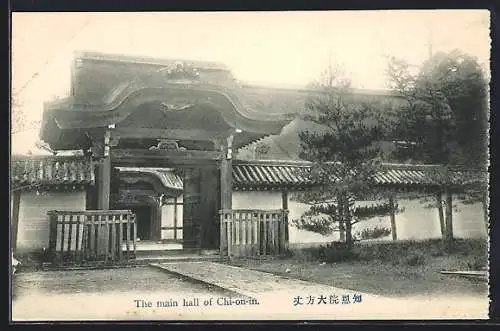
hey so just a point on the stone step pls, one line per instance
(176, 258)
(138, 261)
(175, 252)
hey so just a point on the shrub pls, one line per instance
(413, 259)
(468, 246)
(289, 253)
(305, 254)
(410, 253)
(374, 233)
(337, 252)
(332, 252)
(477, 262)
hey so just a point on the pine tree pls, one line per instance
(345, 152)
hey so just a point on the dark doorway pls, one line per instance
(143, 221)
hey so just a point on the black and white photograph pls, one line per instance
(281, 165)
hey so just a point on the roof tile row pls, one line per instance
(247, 175)
(77, 170)
(51, 170)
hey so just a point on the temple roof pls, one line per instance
(109, 89)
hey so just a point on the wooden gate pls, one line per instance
(77, 237)
(253, 232)
(191, 209)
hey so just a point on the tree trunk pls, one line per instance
(346, 219)
(439, 201)
(342, 231)
(346, 216)
(348, 233)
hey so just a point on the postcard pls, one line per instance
(319, 165)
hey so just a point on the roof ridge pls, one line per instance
(144, 169)
(142, 59)
(271, 162)
(305, 89)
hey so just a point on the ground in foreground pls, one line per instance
(376, 277)
(102, 294)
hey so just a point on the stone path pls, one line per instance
(245, 281)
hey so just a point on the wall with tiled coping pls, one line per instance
(415, 222)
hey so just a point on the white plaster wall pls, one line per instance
(273, 200)
(469, 221)
(257, 200)
(418, 222)
(33, 227)
(415, 222)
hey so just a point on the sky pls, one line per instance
(265, 48)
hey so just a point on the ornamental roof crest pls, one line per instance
(180, 71)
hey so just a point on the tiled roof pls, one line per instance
(408, 174)
(276, 174)
(252, 175)
(167, 177)
(270, 174)
(51, 170)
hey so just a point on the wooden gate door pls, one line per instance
(201, 206)
(210, 204)
(191, 208)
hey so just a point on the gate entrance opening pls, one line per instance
(143, 221)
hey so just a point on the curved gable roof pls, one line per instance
(166, 176)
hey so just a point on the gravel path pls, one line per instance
(98, 294)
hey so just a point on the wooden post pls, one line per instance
(16, 203)
(393, 219)
(223, 234)
(449, 216)
(90, 197)
(104, 176)
(175, 218)
(226, 219)
(226, 176)
(103, 183)
(284, 205)
(439, 201)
